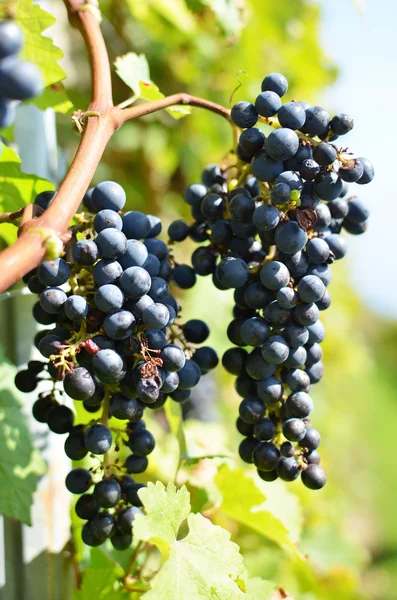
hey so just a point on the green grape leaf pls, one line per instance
(172, 12)
(246, 503)
(20, 464)
(201, 565)
(166, 510)
(16, 189)
(40, 50)
(100, 579)
(228, 14)
(133, 69)
(173, 412)
(260, 589)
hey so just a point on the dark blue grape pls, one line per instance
(189, 375)
(111, 243)
(342, 124)
(357, 212)
(315, 372)
(299, 405)
(274, 275)
(328, 185)
(266, 216)
(195, 193)
(252, 140)
(232, 272)
(296, 335)
(252, 410)
(318, 251)
(317, 120)
(54, 272)
(7, 113)
(275, 350)
(178, 230)
(11, 39)
(297, 380)
(290, 238)
(19, 80)
(267, 103)
(246, 449)
(369, 171)
(337, 245)
(119, 325)
(86, 507)
(109, 298)
(313, 477)
(280, 194)
(234, 360)
(78, 481)
(206, 358)
(142, 443)
(270, 390)
(79, 384)
(309, 169)
(107, 271)
(135, 282)
(107, 493)
(292, 179)
(292, 115)
(156, 316)
(136, 225)
(266, 456)
(60, 419)
(76, 307)
(305, 314)
(311, 288)
(351, 170)
(108, 366)
(243, 114)
(275, 82)
(85, 252)
(98, 439)
(106, 219)
(108, 195)
(52, 299)
(44, 199)
(288, 469)
(264, 168)
(287, 297)
(282, 144)
(184, 277)
(254, 331)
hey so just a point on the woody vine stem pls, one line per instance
(102, 119)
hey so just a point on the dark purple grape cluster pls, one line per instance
(19, 80)
(117, 345)
(269, 227)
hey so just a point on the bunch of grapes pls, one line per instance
(19, 80)
(117, 346)
(269, 226)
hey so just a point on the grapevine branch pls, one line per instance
(102, 121)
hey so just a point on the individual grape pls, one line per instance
(337, 245)
(252, 410)
(351, 170)
(299, 405)
(86, 507)
(78, 481)
(313, 477)
(136, 464)
(313, 458)
(312, 439)
(126, 518)
(85, 252)
(274, 275)
(246, 449)
(44, 199)
(316, 333)
(321, 271)
(60, 419)
(142, 443)
(119, 325)
(180, 396)
(232, 272)
(76, 307)
(148, 390)
(111, 243)
(206, 358)
(107, 271)
(109, 298)
(265, 430)
(317, 121)
(266, 217)
(287, 297)
(314, 354)
(243, 114)
(315, 372)
(288, 469)
(341, 124)
(282, 144)
(354, 228)
(54, 272)
(244, 428)
(11, 39)
(294, 430)
(266, 456)
(178, 230)
(296, 335)
(296, 358)
(267, 103)
(103, 525)
(42, 316)
(136, 225)
(265, 168)
(106, 219)
(275, 315)
(287, 449)
(275, 82)
(297, 380)
(318, 251)
(88, 536)
(306, 314)
(270, 390)
(123, 408)
(252, 140)
(135, 282)
(369, 171)
(234, 359)
(275, 350)
(189, 375)
(195, 193)
(107, 493)
(311, 288)
(290, 238)
(41, 408)
(35, 286)
(79, 384)
(256, 296)
(325, 154)
(20, 80)
(98, 439)
(155, 226)
(108, 366)
(309, 169)
(170, 382)
(328, 185)
(184, 277)
(268, 475)
(292, 179)
(245, 386)
(280, 194)
(357, 211)
(108, 195)
(254, 331)
(292, 115)
(256, 367)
